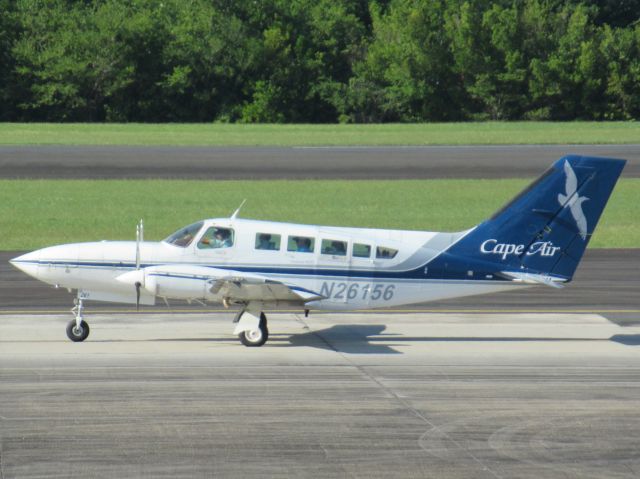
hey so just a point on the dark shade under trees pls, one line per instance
(318, 61)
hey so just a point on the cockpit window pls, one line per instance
(184, 236)
(382, 252)
(216, 237)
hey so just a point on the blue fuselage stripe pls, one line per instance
(417, 273)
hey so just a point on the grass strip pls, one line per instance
(220, 134)
(37, 213)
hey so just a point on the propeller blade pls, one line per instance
(138, 239)
(138, 284)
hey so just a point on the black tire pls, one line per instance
(256, 338)
(76, 335)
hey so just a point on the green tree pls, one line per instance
(204, 58)
(69, 60)
(304, 58)
(406, 75)
(489, 58)
(569, 83)
(621, 48)
(8, 35)
(318, 61)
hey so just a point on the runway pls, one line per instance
(110, 162)
(439, 395)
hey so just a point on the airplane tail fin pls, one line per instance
(542, 233)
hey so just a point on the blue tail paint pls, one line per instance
(545, 229)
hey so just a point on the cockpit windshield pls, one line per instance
(184, 236)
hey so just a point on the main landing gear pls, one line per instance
(251, 325)
(252, 330)
(77, 329)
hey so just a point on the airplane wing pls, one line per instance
(240, 286)
(196, 281)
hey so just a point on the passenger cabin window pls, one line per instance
(334, 247)
(216, 238)
(383, 252)
(300, 244)
(268, 241)
(361, 250)
(184, 236)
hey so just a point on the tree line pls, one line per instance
(318, 61)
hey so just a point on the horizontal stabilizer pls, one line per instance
(532, 278)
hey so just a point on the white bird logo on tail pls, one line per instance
(573, 200)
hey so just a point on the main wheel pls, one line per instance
(76, 334)
(256, 337)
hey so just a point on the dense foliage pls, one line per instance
(318, 60)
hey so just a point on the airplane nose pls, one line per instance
(27, 263)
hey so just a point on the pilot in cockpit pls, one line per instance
(222, 239)
(216, 238)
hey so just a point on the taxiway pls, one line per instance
(118, 162)
(387, 395)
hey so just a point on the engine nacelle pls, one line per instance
(169, 281)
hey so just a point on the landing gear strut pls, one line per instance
(77, 329)
(257, 336)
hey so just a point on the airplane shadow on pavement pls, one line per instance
(626, 339)
(370, 339)
(348, 338)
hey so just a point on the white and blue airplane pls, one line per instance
(539, 237)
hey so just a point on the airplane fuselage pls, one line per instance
(360, 276)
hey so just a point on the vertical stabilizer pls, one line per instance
(546, 228)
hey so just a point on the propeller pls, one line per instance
(138, 284)
(139, 239)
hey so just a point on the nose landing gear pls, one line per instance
(77, 329)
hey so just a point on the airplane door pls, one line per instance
(342, 287)
(302, 250)
(361, 265)
(301, 253)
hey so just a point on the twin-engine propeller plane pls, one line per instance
(537, 238)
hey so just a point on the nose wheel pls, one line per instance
(77, 329)
(77, 333)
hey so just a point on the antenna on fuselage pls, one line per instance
(235, 213)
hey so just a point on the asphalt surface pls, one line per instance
(442, 396)
(607, 281)
(297, 163)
